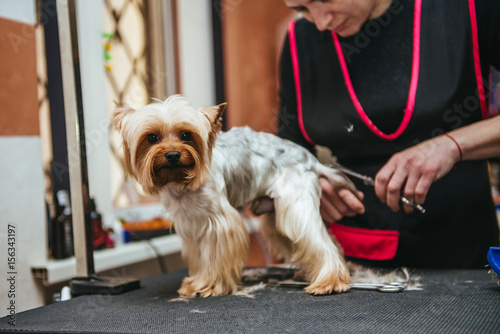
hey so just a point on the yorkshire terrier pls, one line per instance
(204, 176)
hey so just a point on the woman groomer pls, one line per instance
(388, 86)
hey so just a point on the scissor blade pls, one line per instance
(366, 179)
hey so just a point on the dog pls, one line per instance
(204, 176)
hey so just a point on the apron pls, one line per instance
(404, 78)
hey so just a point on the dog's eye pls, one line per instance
(153, 138)
(186, 136)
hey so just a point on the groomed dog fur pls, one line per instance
(204, 176)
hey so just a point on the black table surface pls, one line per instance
(450, 301)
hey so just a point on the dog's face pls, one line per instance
(168, 142)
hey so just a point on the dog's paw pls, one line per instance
(337, 282)
(187, 290)
(327, 287)
(190, 288)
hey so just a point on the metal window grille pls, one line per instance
(135, 62)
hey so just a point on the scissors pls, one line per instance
(284, 277)
(370, 182)
(381, 287)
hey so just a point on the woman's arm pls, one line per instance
(417, 167)
(480, 140)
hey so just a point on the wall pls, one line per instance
(21, 175)
(196, 51)
(254, 32)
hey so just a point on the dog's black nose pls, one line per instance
(173, 157)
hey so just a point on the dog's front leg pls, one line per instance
(216, 257)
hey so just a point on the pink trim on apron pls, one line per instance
(408, 112)
(296, 74)
(477, 60)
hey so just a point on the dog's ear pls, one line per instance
(214, 114)
(119, 115)
(222, 107)
(127, 161)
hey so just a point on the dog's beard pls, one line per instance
(155, 172)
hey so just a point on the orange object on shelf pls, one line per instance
(157, 223)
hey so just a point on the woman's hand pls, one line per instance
(338, 203)
(412, 171)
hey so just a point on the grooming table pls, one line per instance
(451, 301)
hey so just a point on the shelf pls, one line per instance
(56, 271)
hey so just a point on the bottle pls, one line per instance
(99, 236)
(62, 246)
